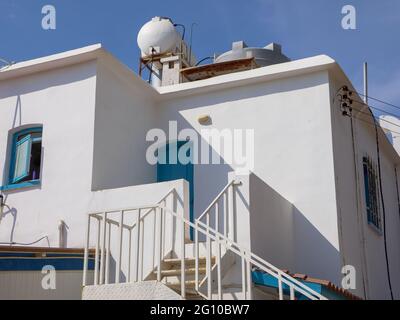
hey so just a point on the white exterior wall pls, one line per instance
(293, 168)
(361, 245)
(125, 112)
(27, 285)
(132, 197)
(299, 199)
(63, 102)
(94, 125)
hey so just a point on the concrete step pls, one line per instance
(188, 262)
(189, 284)
(177, 272)
(190, 295)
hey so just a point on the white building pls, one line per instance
(73, 132)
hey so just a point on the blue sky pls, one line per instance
(303, 27)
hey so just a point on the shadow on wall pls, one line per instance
(53, 78)
(13, 212)
(18, 112)
(17, 121)
(282, 235)
(246, 92)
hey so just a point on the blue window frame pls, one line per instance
(371, 194)
(25, 160)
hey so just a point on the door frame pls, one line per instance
(189, 176)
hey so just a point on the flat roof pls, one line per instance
(54, 61)
(217, 83)
(97, 51)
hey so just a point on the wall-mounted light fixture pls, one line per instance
(205, 120)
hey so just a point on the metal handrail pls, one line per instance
(248, 259)
(253, 258)
(217, 198)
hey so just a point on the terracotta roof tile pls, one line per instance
(326, 284)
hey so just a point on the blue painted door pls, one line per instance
(172, 169)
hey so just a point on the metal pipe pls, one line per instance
(141, 250)
(183, 269)
(249, 281)
(366, 83)
(108, 255)
(137, 246)
(96, 263)
(159, 259)
(280, 287)
(196, 243)
(129, 255)
(226, 210)
(103, 246)
(86, 256)
(292, 293)
(219, 275)
(208, 262)
(119, 257)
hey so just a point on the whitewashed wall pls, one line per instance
(63, 101)
(132, 197)
(27, 285)
(94, 127)
(361, 246)
(125, 112)
(293, 168)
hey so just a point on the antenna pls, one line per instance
(366, 83)
(191, 41)
(6, 62)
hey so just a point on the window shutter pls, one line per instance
(22, 158)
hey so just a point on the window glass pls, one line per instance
(22, 158)
(27, 155)
(371, 193)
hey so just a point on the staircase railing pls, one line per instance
(180, 224)
(103, 238)
(224, 202)
(248, 260)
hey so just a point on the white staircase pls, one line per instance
(172, 271)
(152, 246)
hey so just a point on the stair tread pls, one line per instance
(178, 271)
(178, 284)
(178, 261)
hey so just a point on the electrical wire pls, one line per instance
(382, 201)
(378, 100)
(372, 124)
(184, 29)
(397, 189)
(376, 108)
(375, 117)
(384, 120)
(344, 88)
(383, 209)
(202, 60)
(26, 244)
(364, 271)
(7, 63)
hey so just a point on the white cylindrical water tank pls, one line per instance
(158, 36)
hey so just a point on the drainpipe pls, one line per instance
(62, 234)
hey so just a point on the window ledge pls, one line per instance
(22, 185)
